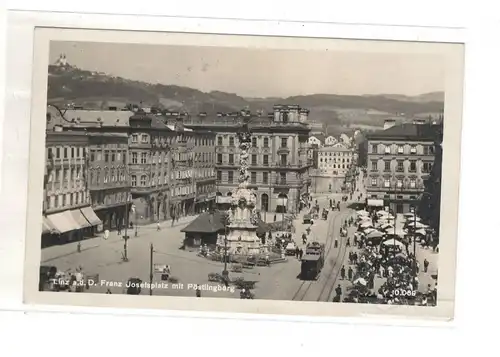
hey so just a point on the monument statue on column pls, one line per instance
(242, 229)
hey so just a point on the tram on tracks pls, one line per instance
(313, 261)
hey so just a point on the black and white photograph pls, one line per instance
(217, 171)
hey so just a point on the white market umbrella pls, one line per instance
(416, 225)
(382, 213)
(363, 212)
(364, 218)
(411, 219)
(375, 234)
(366, 224)
(421, 231)
(386, 226)
(393, 242)
(407, 215)
(369, 230)
(398, 232)
(360, 281)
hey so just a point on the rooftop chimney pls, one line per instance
(389, 123)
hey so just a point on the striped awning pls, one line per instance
(80, 219)
(47, 227)
(63, 222)
(90, 215)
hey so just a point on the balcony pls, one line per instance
(283, 150)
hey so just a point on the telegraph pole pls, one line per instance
(151, 250)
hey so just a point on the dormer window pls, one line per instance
(413, 150)
(400, 149)
(387, 149)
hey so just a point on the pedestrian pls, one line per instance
(338, 290)
(350, 273)
(275, 217)
(336, 245)
(108, 291)
(297, 252)
(198, 291)
(426, 265)
(355, 240)
(158, 227)
(119, 229)
(348, 242)
(301, 252)
(342, 273)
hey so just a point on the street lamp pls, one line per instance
(225, 222)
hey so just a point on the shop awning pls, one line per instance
(375, 203)
(90, 215)
(46, 226)
(281, 201)
(63, 222)
(79, 218)
(224, 199)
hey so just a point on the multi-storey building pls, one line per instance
(278, 155)
(335, 160)
(108, 178)
(67, 214)
(161, 171)
(399, 159)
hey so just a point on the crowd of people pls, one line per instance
(386, 259)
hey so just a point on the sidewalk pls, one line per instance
(59, 251)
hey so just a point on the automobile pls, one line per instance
(291, 248)
(307, 218)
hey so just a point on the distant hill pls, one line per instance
(69, 84)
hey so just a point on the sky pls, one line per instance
(260, 73)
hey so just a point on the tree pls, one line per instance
(430, 204)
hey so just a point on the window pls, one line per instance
(399, 183)
(134, 138)
(219, 140)
(134, 180)
(401, 149)
(134, 158)
(374, 148)
(266, 160)
(253, 177)
(72, 155)
(387, 183)
(284, 142)
(106, 156)
(71, 199)
(265, 177)
(283, 160)
(144, 138)
(413, 150)
(427, 167)
(413, 166)
(387, 166)
(254, 159)
(231, 159)
(413, 183)
(266, 142)
(374, 182)
(374, 165)
(113, 157)
(58, 153)
(426, 150)
(387, 149)
(400, 167)
(219, 175)
(283, 178)
(65, 153)
(106, 175)
(231, 141)
(254, 142)
(153, 180)
(143, 180)
(219, 159)
(144, 157)
(230, 176)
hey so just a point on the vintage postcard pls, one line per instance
(224, 173)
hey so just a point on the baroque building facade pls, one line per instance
(399, 161)
(278, 155)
